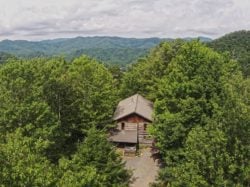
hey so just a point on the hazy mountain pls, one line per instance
(4, 57)
(108, 49)
(237, 44)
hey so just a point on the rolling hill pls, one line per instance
(118, 50)
(114, 50)
(4, 57)
(237, 44)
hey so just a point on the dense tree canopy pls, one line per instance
(237, 44)
(54, 118)
(198, 100)
(143, 75)
(23, 162)
(97, 159)
(201, 113)
(49, 110)
(4, 57)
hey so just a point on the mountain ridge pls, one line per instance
(237, 45)
(111, 49)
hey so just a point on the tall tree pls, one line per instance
(237, 45)
(47, 108)
(21, 98)
(94, 164)
(23, 162)
(95, 92)
(142, 76)
(200, 86)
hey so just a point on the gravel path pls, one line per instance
(144, 169)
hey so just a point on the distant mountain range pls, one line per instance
(237, 45)
(114, 50)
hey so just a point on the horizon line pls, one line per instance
(112, 36)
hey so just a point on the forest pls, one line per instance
(110, 50)
(55, 116)
(237, 46)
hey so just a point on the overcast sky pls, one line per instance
(45, 19)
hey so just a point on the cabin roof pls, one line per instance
(135, 104)
(128, 136)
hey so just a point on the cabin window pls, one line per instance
(123, 126)
(145, 126)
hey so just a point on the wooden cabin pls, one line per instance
(133, 116)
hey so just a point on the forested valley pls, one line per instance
(55, 117)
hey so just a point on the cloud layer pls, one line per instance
(44, 19)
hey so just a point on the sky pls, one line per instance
(48, 19)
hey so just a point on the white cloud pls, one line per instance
(43, 19)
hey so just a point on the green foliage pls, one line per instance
(142, 76)
(117, 73)
(47, 108)
(23, 162)
(96, 94)
(54, 115)
(98, 160)
(237, 44)
(4, 57)
(200, 88)
(95, 163)
(207, 161)
(52, 93)
(186, 93)
(21, 99)
(120, 56)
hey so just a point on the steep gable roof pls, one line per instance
(135, 104)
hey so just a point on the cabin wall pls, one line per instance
(133, 119)
(126, 126)
(135, 122)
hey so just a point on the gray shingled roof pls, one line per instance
(125, 136)
(134, 104)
